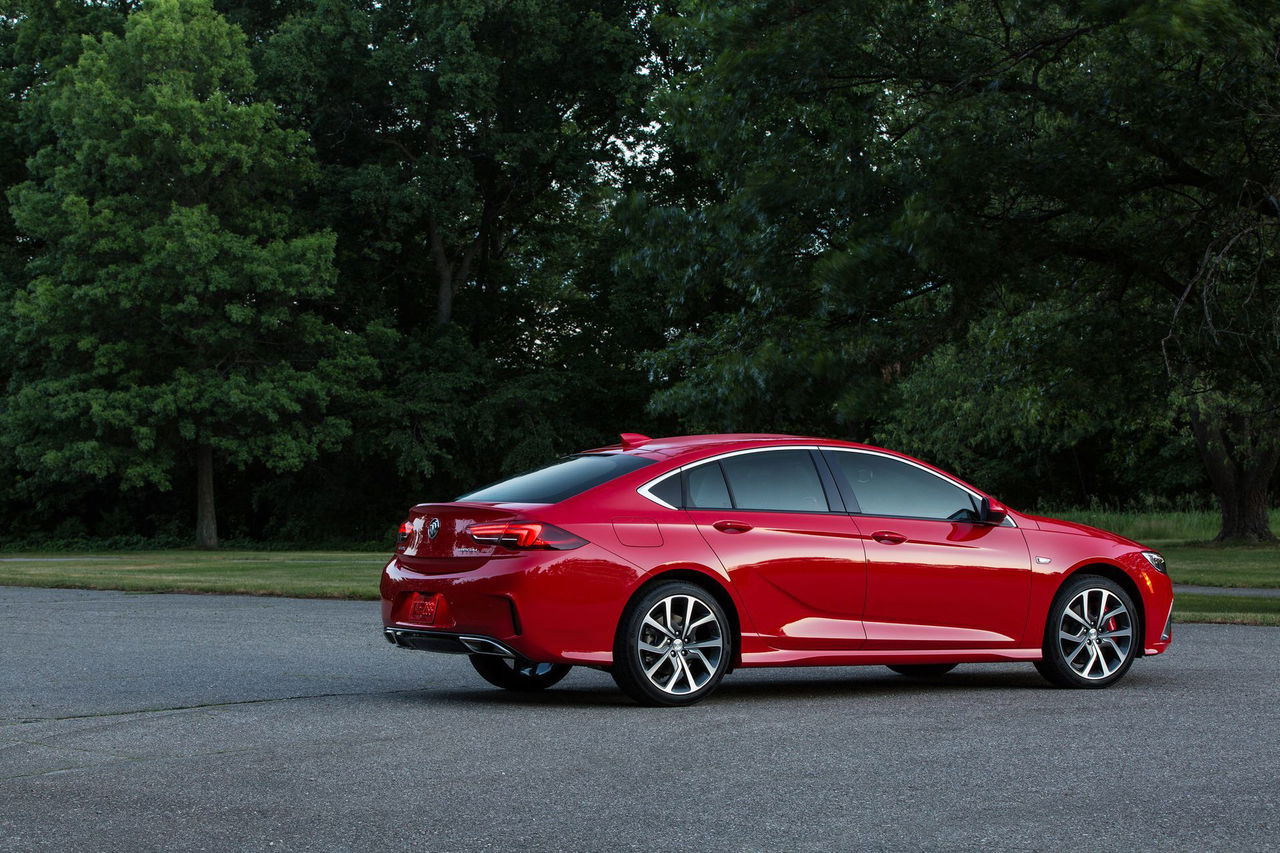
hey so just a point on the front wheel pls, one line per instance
(520, 675)
(1091, 637)
(673, 646)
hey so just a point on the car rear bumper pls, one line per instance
(448, 643)
(544, 606)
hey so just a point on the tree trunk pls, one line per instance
(206, 518)
(1240, 461)
(448, 275)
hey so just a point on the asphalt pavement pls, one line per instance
(175, 722)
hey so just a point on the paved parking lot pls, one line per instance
(136, 722)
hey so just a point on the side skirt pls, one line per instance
(825, 657)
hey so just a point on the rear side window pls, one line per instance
(885, 486)
(560, 480)
(707, 489)
(668, 490)
(780, 480)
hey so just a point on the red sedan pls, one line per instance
(670, 562)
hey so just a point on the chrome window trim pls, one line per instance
(946, 479)
(644, 490)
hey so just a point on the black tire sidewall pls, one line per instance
(1054, 665)
(499, 672)
(626, 669)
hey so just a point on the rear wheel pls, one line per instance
(1091, 637)
(520, 675)
(673, 646)
(922, 670)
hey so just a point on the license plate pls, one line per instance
(423, 608)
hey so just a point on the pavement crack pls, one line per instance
(232, 704)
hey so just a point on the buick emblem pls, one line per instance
(433, 528)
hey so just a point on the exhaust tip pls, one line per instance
(485, 646)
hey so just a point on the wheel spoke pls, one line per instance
(655, 650)
(710, 617)
(704, 660)
(1071, 657)
(1114, 613)
(1119, 651)
(675, 675)
(656, 666)
(1093, 658)
(1102, 662)
(1119, 632)
(1102, 605)
(1076, 616)
(653, 623)
(688, 674)
(688, 617)
(1075, 638)
(712, 643)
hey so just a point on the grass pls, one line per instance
(1234, 609)
(1255, 566)
(301, 574)
(1153, 528)
(354, 574)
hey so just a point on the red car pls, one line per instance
(670, 562)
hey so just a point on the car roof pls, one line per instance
(680, 445)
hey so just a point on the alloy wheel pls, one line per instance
(1095, 634)
(680, 643)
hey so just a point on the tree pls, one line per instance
(172, 316)
(469, 150)
(876, 195)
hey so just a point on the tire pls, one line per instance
(674, 644)
(1092, 634)
(522, 676)
(922, 670)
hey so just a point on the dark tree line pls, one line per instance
(290, 265)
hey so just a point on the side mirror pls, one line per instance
(992, 512)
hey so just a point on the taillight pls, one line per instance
(405, 530)
(525, 535)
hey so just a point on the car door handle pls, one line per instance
(888, 537)
(732, 526)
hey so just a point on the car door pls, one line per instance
(775, 520)
(936, 578)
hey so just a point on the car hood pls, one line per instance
(1057, 525)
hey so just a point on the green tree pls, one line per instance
(172, 316)
(469, 150)
(875, 196)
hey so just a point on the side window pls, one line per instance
(885, 486)
(706, 487)
(783, 480)
(668, 490)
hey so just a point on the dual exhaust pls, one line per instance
(437, 641)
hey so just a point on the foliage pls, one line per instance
(174, 303)
(957, 194)
(376, 252)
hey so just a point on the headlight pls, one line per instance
(1156, 561)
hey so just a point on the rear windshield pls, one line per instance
(556, 482)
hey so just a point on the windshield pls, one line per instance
(556, 482)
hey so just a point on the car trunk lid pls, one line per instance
(437, 541)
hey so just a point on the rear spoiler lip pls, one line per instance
(509, 507)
